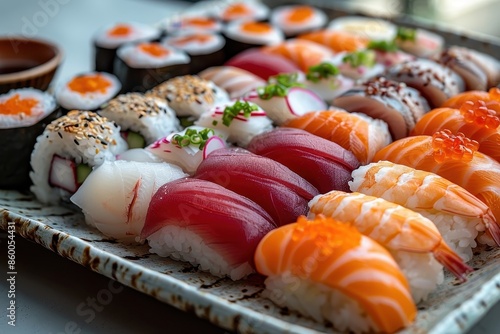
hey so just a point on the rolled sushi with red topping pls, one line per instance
(243, 35)
(87, 91)
(205, 49)
(243, 10)
(142, 119)
(66, 152)
(192, 24)
(145, 65)
(109, 38)
(23, 116)
(298, 19)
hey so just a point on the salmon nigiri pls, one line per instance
(473, 119)
(454, 157)
(459, 216)
(491, 99)
(358, 133)
(337, 41)
(302, 52)
(413, 239)
(323, 267)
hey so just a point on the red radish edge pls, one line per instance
(213, 143)
(321, 105)
(67, 165)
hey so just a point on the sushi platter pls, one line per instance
(143, 182)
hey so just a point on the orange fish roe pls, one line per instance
(199, 22)
(256, 27)
(120, 30)
(92, 83)
(300, 14)
(495, 93)
(448, 146)
(17, 106)
(477, 112)
(328, 234)
(237, 9)
(201, 38)
(153, 49)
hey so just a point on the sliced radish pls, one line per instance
(302, 100)
(213, 143)
(63, 174)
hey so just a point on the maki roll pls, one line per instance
(87, 91)
(205, 49)
(193, 24)
(190, 95)
(142, 119)
(243, 35)
(23, 116)
(66, 151)
(371, 28)
(243, 10)
(108, 39)
(143, 65)
(298, 19)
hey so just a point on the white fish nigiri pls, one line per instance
(115, 197)
(189, 147)
(241, 120)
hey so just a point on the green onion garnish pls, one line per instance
(193, 137)
(406, 34)
(360, 58)
(383, 46)
(278, 85)
(230, 112)
(321, 71)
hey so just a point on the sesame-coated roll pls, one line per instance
(190, 95)
(66, 151)
(142, 119)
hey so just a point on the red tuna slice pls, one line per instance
(262, 64)
(232, 225)
(278, 190)
(325, 164)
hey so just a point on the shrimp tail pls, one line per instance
(492, 226)
(451, 261)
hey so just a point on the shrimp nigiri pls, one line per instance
(457, 214)
(413, 239)
(322, 268)
(453, 157)
(473, 119)
(358, 133)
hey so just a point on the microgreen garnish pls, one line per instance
(230, 112)
(360, 58)
(406, 34)
(278, 85)
(383, 46)
(193, 137)
(321, 71)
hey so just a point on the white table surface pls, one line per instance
(51, 290)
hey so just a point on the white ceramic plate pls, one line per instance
(236, 306)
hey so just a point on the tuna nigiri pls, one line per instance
(453, 157)
(457, 214)
(205, 224)
(413, 239)
(328, 271)
(358, 133)
(325, 164)
(281, 192)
